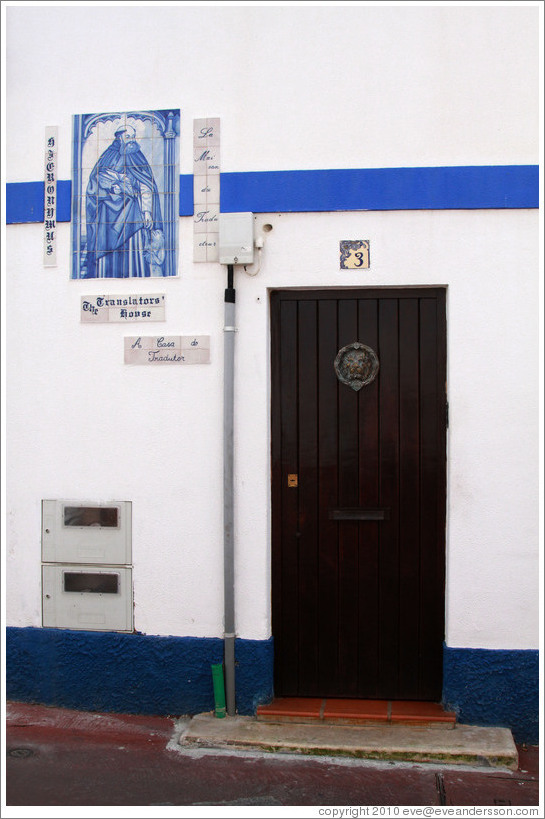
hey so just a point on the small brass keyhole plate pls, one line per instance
(293, 480)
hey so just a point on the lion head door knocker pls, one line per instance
(356, 365)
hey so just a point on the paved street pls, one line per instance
(57, 757)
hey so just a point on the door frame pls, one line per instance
(438, 291)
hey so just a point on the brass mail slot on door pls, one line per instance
(357, 513)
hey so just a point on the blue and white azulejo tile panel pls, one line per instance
(125, 190)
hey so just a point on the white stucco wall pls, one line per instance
(298, 87)
(295, 89)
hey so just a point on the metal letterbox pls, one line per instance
(86, 565)
(90, 598)
(79, 532)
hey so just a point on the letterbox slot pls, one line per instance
(93, 582)
(359, 514)
(102, 516)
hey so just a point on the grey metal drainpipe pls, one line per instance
(228, 494)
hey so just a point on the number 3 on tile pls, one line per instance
(354, 254)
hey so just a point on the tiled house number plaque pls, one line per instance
(354, 254)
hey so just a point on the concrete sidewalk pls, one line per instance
(60, 757)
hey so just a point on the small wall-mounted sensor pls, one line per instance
(236, 238)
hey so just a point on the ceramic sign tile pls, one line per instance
(50, 197)
(137, 307)
(207, 219)
(200, 190)
(354, 254)
(199, 249)
(206, 131)
(204, 245)
(206, 189)
(125, 194)
(206, 160)
(161, 350)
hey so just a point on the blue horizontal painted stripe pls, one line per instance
(510, 186)
(186, 195)
(25, 202)
(494, 186)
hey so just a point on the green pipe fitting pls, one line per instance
(219, 690)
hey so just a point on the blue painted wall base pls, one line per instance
(501, 688)
(130, 673)
(143, 674)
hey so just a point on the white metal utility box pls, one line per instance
(75, 532)
(86, 565)
(87, 597)
(236, 238)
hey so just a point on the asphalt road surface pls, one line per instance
(54, 757)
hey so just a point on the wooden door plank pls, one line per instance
(388, 481)
(368, 623)
(328, 570)
(289, 626)
(276, 489)
(308, 603)
(409, 499)
(431, 520)
(348, 469)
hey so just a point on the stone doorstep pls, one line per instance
(463, 745)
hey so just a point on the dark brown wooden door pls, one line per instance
(358, 543)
